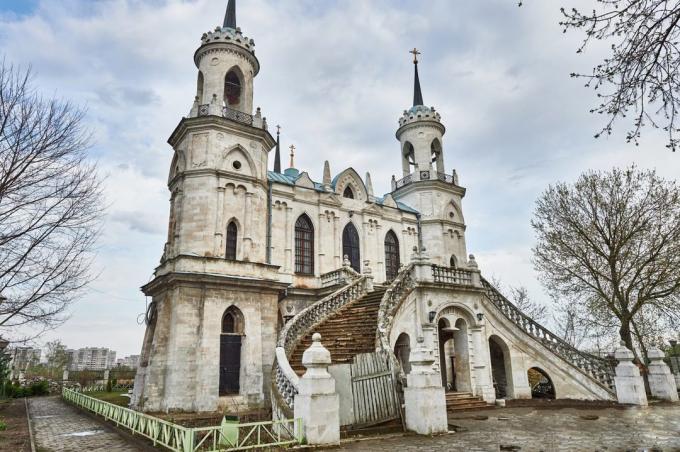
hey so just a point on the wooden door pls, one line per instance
(230, 363)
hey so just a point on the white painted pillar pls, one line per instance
(424, 396)
(661, 381)
(482, 365)
(317, 403)
(630, 387)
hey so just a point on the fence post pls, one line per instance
(661, 381)
(188, 440)
(316, 403)
(630, 387)
(424, 396)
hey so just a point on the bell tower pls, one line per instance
(211, 324)
(425, 185)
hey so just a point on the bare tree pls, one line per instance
(640, 77)
(610, 245)
(50, 205)
(519, 296)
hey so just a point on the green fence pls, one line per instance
(226, 437)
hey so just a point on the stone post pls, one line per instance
(368, 273)
(316, 402)
(423, 266)
(482, 364)
(661, 381)
(630, 387)
(64, 376)
(424, 397)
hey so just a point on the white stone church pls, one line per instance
(257, 260)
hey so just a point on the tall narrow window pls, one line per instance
(232, 234)
(230, 351)
(348, 193)
(391, 255)
(350, 246)
(304, 246)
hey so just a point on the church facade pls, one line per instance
(249, 248)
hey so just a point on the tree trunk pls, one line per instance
(627, 337)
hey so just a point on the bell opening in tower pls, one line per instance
(232, 89)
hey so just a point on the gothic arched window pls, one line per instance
(304, 245)
(230, 351)
(199, 87)
(350, 246)
(391, 255)
(348, 193)
(232, 88)
(452, 261)
(232, 235)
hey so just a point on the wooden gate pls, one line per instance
(373, 389)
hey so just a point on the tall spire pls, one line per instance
(417, 93)
(277, 156)
(230, 15)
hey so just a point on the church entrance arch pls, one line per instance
(454, 355)
(501, 369)
(350, 246)
(230, 351)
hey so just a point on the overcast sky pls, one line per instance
(336, 75)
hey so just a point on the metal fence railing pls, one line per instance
(230, 436)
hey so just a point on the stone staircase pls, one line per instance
(459, 401)
(346, 333)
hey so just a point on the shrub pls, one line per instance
(40, 388)
(3, 426)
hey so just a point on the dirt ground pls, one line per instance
(15, 438)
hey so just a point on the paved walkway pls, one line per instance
(529, 429)
(58, 426)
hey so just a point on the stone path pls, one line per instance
(529, 429)
(58, 426)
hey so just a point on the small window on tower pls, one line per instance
(348, 193)
(232, 89)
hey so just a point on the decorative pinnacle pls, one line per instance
(417, 93)
(292, 156)
(278, 129)
(277, 155)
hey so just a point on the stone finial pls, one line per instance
(472, 262)
(662, 383)
(394, 183)
(623, 353)
(345, 261)
(455, 177)
(316, 356)
(369, 187)
(326, 176)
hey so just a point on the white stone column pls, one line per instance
(219, 250)
(661, 382)
(316, 402)
(482, 365)
(630, 387)
(424, 396)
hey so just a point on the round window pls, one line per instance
(236, 165)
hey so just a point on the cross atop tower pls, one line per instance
(292, 156)
(415, 53)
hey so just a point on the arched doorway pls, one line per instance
(402, 350)
(501, 370)
(454, 357)
(350, 246)
(230, 351)
(540, 383)
(391, 255)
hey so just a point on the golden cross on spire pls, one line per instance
(415, 55)
(292, 156)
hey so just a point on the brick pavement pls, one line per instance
(58, 426)
(529, 429)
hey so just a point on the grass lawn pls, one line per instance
(115, 397)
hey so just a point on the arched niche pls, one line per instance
(541, 384)
(501, 367)
(234, 89)
(238, 160)
(402, 350)
(350, 178)
(408, 158)
(437, 155)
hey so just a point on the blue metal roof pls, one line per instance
(288, 179)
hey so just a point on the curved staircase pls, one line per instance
(346, 333)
